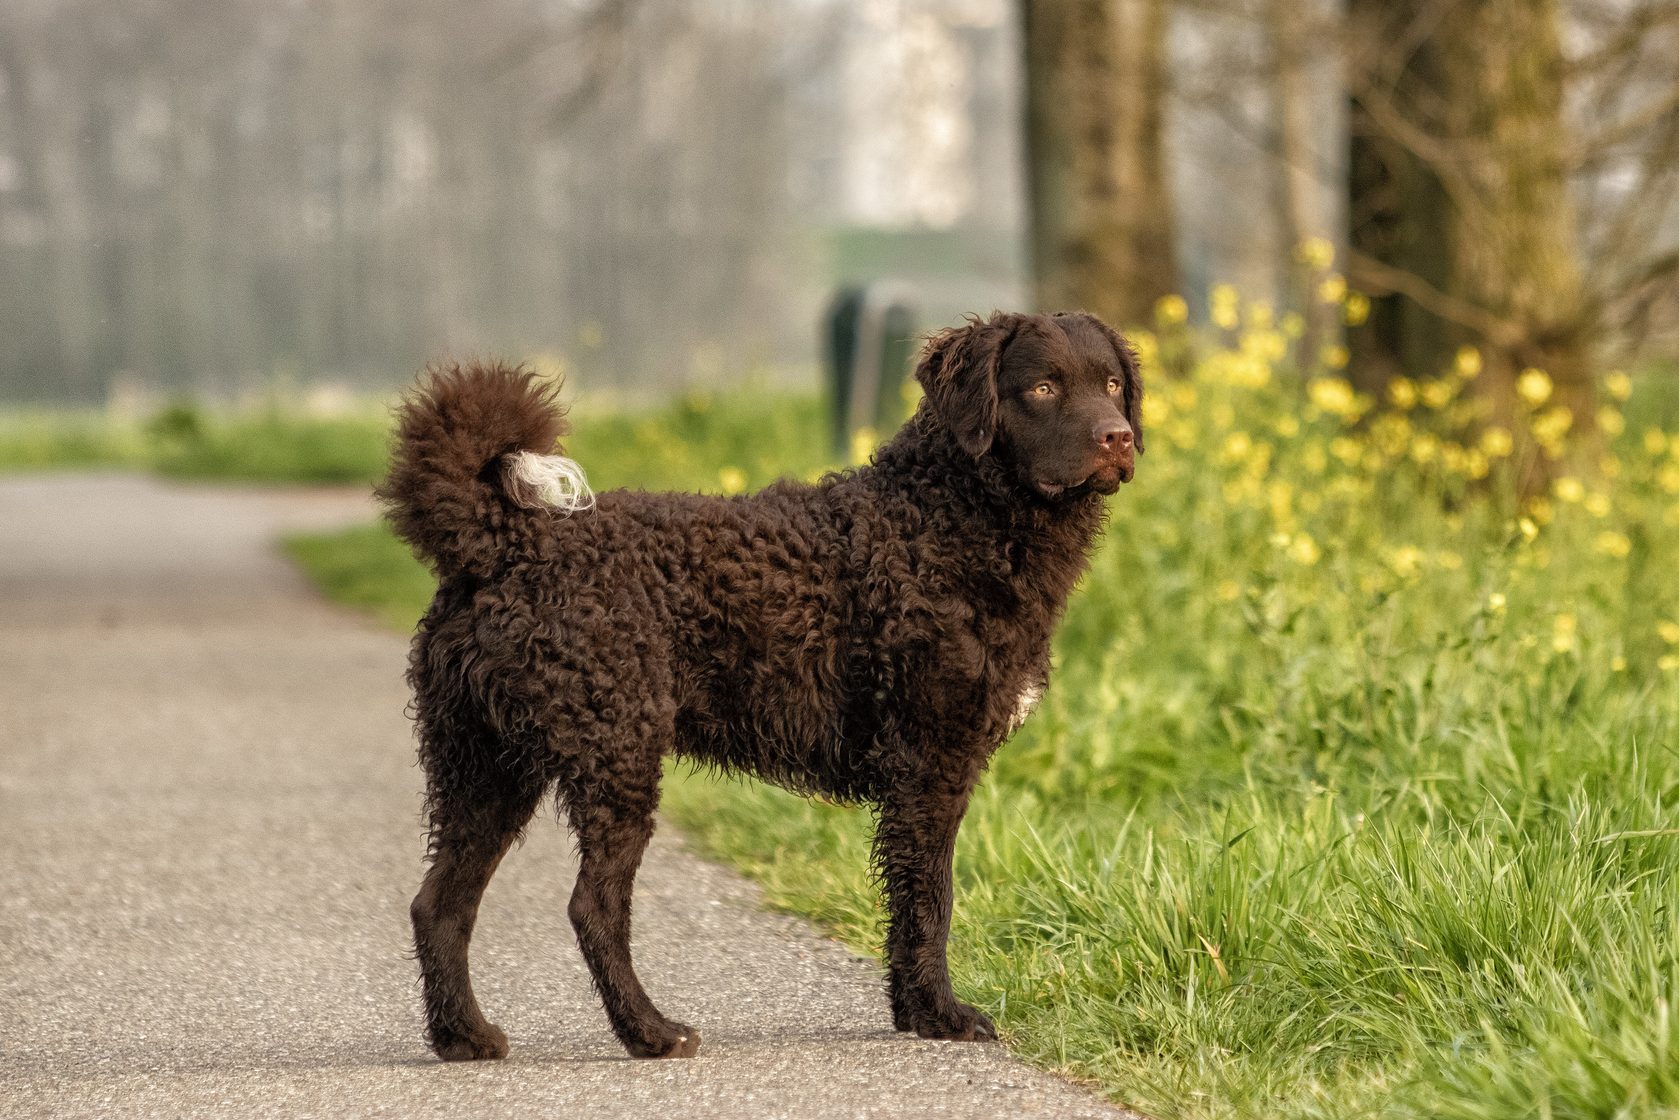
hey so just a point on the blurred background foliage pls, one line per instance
(209, 200)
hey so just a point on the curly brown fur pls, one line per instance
(869, 638)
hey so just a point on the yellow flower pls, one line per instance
(1171, 310)
(1319, 252)
(1287, 426)
(1346, 449)
(1496, 443)
(1528, 528)
(1333, 289)
(1315, 457)
(1424, 448)
(1570, 489)
(732, 480)
(1402, 391)
(1614, 544)
(1655, 441)
(1223, 303)
(1334, 356)
(1148, 347)
(1391, 433)
(862, 442)
(1447, 560)
(1476, 464)
(1550, 427)
(1540, 510)
(1617, 664)
(1563, 631)
(1467, 364)
(1437, 393)
(1281, 501)
(1496, 603)
(1618, 385)
(1334, 395)
(1293, 325)
(1610, 421)
(1597, 504)
(1358, 309)
(1406, 561)
(1304, 550)
(1668, 478)
(1227, 590)
(1669, 631)
(1668, 662)
(1534, 386)
(1261, 345)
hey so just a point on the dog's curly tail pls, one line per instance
(475, 454)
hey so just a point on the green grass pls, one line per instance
(41, 439)
(277, 442)
(1353, 794)
(759, 436)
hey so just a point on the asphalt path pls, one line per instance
(209, 834)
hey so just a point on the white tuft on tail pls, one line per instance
(547, 480)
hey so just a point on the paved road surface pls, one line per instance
(208, 839)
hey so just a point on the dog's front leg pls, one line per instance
(914, 847)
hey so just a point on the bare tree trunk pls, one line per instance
(1289, 26)
(1462, 220)
(1100, 206)
(1299, 217)
(1520, 258)
(1396, 205)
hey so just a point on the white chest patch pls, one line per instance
(1029, 697)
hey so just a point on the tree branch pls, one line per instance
(1379, 278)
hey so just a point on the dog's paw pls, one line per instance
(672, 1040)
(963, 1024)
(490, 1043)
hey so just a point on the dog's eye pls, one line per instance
(1043, 389)
(1113, 384)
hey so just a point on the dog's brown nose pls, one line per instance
(1115, 435)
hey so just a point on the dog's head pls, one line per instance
(1057, 398)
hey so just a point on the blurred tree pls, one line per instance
(1101, 211)
(1464, 172)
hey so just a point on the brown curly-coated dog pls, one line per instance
(872, 638)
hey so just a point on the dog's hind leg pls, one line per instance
(471, 829)
(613, 821)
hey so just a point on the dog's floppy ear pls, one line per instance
(1130, 377)
(958, 372)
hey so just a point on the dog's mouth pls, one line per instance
(1105, 479)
